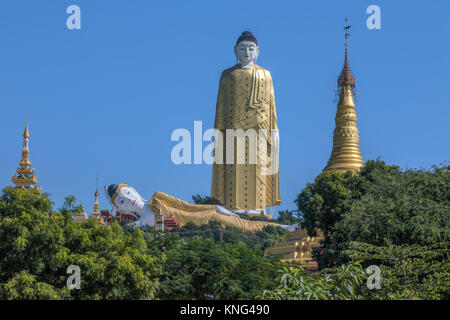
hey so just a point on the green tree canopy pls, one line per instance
(382, 205)
(205, 269)
(342, 283)
(198, 199)
(287, 217)
(407, 271)
(38, 244)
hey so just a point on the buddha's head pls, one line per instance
(125, 199)
(246, 49)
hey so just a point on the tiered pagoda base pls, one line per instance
(296, 248)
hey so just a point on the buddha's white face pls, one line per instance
(129, 201)
(246, 52)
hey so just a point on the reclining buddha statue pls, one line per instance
(126, 200)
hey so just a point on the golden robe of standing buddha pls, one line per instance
(246, 101)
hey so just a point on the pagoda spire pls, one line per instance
(25, 177)
(96, 213)
(346, 154)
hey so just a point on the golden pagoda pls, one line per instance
(296, 248)
(25, 177)
(96, 213)
(346, 154)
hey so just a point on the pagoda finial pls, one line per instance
(346, 28)
(26, 134)
(346, 77)
(25, 177)
(96, 213)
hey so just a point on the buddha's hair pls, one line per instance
(112, 189)
(247, 36)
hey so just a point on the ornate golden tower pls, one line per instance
(25, 177)
(346, 154)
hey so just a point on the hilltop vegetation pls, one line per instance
(395, 219)
(38, 244)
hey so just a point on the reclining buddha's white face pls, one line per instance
(129, 201)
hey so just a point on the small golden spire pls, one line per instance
(346, 154)
(25, 177)
(96, 213)
(26, 133)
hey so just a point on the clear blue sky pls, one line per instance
(105, 99)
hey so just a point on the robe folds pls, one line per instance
(246, 101)
(162, 204)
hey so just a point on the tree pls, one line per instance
(407, 271)
(382, 205)
(23, 286)
(340, 283)
(198, 199)
(321, 205)
(205, 269)
(286, 217)
(256, 240)
(38, 244)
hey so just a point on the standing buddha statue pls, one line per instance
(246, 102)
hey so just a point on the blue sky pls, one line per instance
(105, 99)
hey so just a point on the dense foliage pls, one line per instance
(262, 240)
(37, 245)
(382, 206)
(198, 199)
(201, 268)
(383, 216)
(397, 219)
(407, 271)
(344, 282)
(212, 261)
(286, 217)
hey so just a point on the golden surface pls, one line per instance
(345, 154)
(96, 212)
(245, 101)
(296, 247)
(25, 177)
(24, 171)
(26, 134)
(162, 204)
(21, 181)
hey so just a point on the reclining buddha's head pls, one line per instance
(125, 199)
